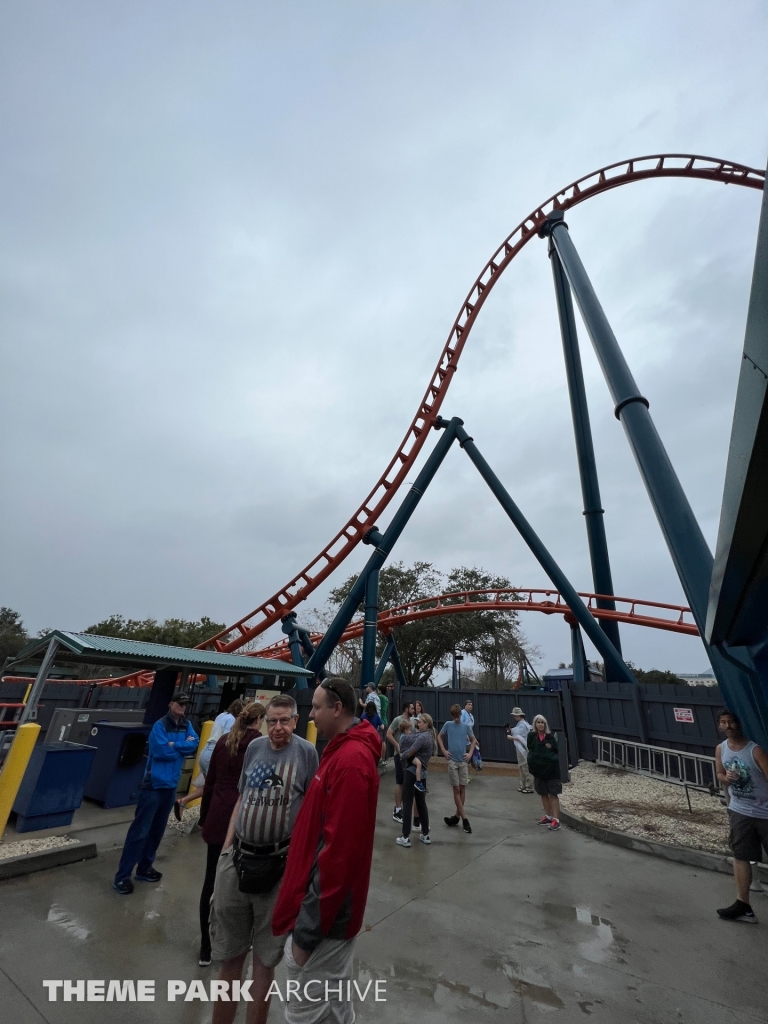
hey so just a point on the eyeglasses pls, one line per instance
(279, 721)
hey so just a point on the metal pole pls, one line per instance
(383, 660)
(585, 452)
(454, 678)
(383, 544)
(40, 681)
(577, 655)
(685, 541)
(611, 656)
(368, 664)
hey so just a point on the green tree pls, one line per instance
(176, 632)
(493, 638)
(13, 636)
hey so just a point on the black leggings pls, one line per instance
(410, 793)
(214, 852)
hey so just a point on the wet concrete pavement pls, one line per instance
(512, 923)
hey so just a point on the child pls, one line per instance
(408, 739)
(371, 715)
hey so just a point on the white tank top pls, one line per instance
(749, 795)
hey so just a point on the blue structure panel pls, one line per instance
(53, 784)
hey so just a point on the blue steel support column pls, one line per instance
(585, 452)
(368, 664)
(384, 660)
(578, 657)
(685, 541)
(613, 661)
(383, 544)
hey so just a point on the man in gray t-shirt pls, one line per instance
(277, 771)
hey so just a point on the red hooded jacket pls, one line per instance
(325, 885)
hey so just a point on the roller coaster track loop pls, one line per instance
(511, 600)
(670, 165)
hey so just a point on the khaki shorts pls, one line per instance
(330, 962)
(458, 772)
(237, 919)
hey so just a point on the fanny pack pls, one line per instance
(259, 868)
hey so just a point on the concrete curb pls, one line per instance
(678, 854)
(11, 867)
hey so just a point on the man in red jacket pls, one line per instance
(325, 886)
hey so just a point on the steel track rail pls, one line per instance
(549, 602)
(670, 165)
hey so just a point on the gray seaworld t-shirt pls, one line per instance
(272, 785)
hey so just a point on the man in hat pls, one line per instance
(171, 740)
(518, 733)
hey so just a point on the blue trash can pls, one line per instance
(118, 766)
(52, 787)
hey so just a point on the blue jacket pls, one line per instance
(165, 762)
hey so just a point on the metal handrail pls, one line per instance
(677, 767)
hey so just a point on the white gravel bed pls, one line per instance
(646, 808)
(22, 846)
(189, 819)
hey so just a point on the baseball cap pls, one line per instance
(180, 697)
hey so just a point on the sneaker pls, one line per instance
(205, 956)
(403, 841)
(554, 825)
(415, 827)
(453, 820)
(466, 826)
(178, 810)
(149, 876)
(397, 815)
(425, 839)
(124, 886)
(545, 820)
(420, 786)
(738, 911)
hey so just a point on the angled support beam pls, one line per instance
(613, 660)
(585, 450)
(383, 544)
(682, 533)
(368, 663)
(40, 680)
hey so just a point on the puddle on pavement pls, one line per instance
(441, 989)
(61, 918)
(544, 997)
(602, 944)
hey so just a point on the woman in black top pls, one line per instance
(544, 766)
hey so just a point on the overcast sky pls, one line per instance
(235, 237)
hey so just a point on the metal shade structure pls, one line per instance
(86, 648)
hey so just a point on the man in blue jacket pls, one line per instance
(171, 740)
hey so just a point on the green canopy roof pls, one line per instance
(111, 650)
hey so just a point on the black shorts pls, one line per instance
(399, 776)
(747, 836)
(547, 787)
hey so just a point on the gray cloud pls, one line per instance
(234, 240)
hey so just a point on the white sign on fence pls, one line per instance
(684, 715)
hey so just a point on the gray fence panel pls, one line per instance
(609, 709)
(492, 712)
(120, 697)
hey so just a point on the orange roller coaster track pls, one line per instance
(671, 165)
(629, 610)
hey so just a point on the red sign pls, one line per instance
(684, 715)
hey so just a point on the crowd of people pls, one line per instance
(290, 837)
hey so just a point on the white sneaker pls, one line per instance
(425, 839)
(415, 828)
(403, 841)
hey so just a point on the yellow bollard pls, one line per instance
(15, 765)
(312, 733)
(205, 734)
